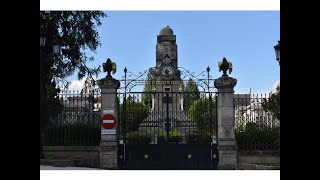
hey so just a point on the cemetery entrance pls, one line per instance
(167, 123)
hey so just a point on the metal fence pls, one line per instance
(153, 118)
(78, 123)
(255, 127)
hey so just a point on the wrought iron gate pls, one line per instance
(171, 128)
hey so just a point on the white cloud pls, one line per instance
(77, 85)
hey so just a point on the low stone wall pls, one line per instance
(245, 166)
(259, 159)
(80, 156)
(88, 156)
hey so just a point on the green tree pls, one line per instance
(76, 31)
(134, 113)
(200, 112)
(191, 93)
(52, 100)
(147, 89)
(273, 104)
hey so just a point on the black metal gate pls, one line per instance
(167, 125)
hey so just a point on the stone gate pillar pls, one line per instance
(227, 144)
(109, 105)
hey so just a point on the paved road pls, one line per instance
(42, 167)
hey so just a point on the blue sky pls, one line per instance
(246, 38)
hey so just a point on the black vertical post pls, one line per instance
(125, 106)
(41, 106)
(208, 75)
(210, 102)
(210, 107)
(167, 119)
(216, 123)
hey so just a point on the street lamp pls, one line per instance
(56, 49)
(42, 39)
(277, 50)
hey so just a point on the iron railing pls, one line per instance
(78, 123)
(155, 118)
(256, 128)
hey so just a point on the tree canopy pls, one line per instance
(147, 89)
(200, 112)
(273, 104)
(77, 31)
(191, 94)
(135, 113)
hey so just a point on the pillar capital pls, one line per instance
(225, 83)
(108, 83)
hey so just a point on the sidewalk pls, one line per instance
(42, 167)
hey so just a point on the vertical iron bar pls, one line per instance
(216, 123)
(125, 106)
(158, 115)
(174, 111)
(125, 117)
(208, 85)
(210, 110)
(79, 114)
(161, 110)
(119, 116)
(42, 108)
(190, 123)
(167, 119)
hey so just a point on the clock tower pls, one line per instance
(167, 98)
(167, 72)
(167, 55)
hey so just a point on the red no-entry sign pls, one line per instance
(108, 121)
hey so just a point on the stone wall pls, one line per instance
(85, 156)
(259, 157)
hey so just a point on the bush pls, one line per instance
(161, 139)
(78, 134)
(175, 137)
(251, 137)
(135, 137)
(198, 139)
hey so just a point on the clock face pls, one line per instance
(167, 71)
